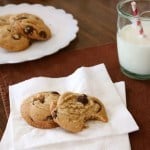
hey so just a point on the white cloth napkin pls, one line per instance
(90, 80)
(118, 142)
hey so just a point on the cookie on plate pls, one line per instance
(12, 41)
(74, 109)
(36, 110)
(30, 26)
(4, 20)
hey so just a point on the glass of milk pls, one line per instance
(133, 47)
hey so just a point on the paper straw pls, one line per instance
(136, 14)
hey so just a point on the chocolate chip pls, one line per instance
(28, 30)
(43, 34)
(54, 114)
(40, 98)
(48, 118)
(83, 99)
(8, 30)
(16, 36)
(54, 92)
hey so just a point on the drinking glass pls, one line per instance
(133, 38)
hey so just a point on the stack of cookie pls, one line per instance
(68, 110)
(17, 32)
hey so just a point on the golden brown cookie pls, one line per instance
(74, 109)
(12, 41)
(36, 110)
(30, 26)
(4, 20)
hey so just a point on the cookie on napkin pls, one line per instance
(74, 109)
(36, 110)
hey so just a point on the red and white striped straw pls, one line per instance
(136, 14)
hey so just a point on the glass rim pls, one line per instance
(127, 15)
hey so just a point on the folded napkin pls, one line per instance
(89, 80)
(118, 142)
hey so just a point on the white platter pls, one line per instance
(63, 26)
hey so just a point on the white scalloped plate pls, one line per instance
(63, 26)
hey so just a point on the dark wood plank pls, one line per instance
(3, 119)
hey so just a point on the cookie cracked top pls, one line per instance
(74, 109)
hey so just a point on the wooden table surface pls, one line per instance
(96, 20)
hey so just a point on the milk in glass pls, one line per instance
(133, 49)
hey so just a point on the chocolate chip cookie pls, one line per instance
(36, 109)
(74, 109)
(30, 26)
(4, 20)
(12, 41)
